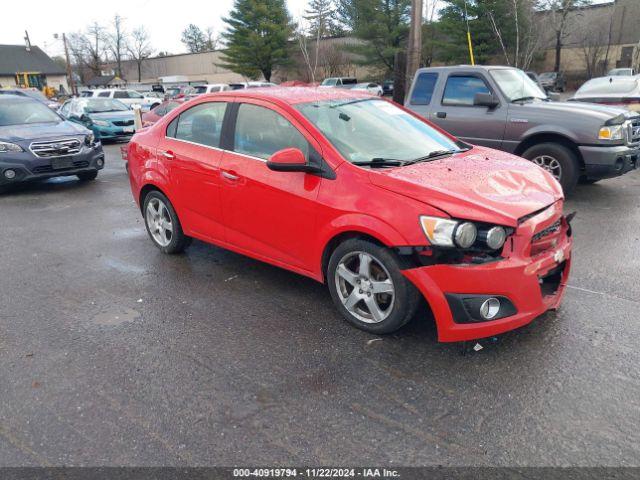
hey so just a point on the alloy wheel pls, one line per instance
(365, 287)
(159, 222)
(550, 164)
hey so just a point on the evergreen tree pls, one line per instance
(321, 15)
(257, 37)
(194, 38)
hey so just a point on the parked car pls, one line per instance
(621, 91)
(108, 119)
(128, 97)
(152, 116)
(357, 192)
(36, 143)
(535, 78)
(372, 88)
(339, 82)
(33, 93)
(179, 91)
(211, 88)
(387, 87)
(245, 85)
(621, 72)
(500, 107)
(154, 94)
(553, 81)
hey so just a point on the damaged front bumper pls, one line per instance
(529, 280)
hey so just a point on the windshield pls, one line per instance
(200, 89)
(548, 75)
(366, 129)
(329, 81)
(26, 112)
(516, 85)
(100, 105)
(621, 72)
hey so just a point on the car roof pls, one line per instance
(293, 95)
(482, 68)
(5, 97)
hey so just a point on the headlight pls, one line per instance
(101, 123)
(448, 233)
(6, 147)
(612, 132)
(90, 139)
(495, 237)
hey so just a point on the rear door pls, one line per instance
(269, 215)
(455, 112)
(190, 153)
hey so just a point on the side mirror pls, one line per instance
(290, 160)
(485, 100)
(554, 96)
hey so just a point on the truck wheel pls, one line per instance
(368, 288)
(558, 160)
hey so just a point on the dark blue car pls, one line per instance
(37, 143)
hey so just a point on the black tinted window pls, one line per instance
(261, 132)
(202, 124)
(120, 94)
(106, 94)
(462, 90)
(423, 89)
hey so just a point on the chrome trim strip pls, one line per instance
(216, 148)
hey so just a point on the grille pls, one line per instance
(56, 148)
(48, 168)
(547, 231)
(633, 132)
(123, 123)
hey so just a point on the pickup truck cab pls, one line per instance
(502, 108)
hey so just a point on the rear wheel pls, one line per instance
(558, 160)
(163, 225)
(88, 176)
(368, 288)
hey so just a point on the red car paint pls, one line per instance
(289, 219)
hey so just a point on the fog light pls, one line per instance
(10, 174)
(490, 308)
(100, 162)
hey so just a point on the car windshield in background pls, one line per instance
(548, 75)
(516, 85)
(609, 86)
(364, 130)
(99, 105)
(23, 112)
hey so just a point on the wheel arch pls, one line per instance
(549, 137)
(145, 190)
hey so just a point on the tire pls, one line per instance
(395, 307)
(546, 153)
(88, 176)
(163, 225)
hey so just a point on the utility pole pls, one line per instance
(72, 83)
(414, 49)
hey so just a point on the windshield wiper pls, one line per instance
(522, 99)
(379, 162)
(435, 154)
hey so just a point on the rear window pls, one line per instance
(423, 89)
(349, 81)
(614, 86)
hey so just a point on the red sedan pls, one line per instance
(361, 194)
(155, 114)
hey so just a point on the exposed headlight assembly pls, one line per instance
(444, 232)
(6, 147)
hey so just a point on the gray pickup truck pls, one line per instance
(502, 108)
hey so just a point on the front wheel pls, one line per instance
(558, 160)
(368, 288)
(163, 225)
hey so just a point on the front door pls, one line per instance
(190, 154)
(269, 215)
(455, 112)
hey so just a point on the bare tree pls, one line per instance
(116, 41)
(310, 59)
(95, 48)
(140, 48)
(564, 16)
(211, 39)
(596, 45)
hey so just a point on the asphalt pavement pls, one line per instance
(112, 353)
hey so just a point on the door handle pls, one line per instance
(167, 154)
(229, 176)
(441, 114)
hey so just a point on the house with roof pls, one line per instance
(29, 66)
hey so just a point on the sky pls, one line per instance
(164, 20)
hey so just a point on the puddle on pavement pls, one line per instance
(123, 266)
(126, 233)
(115, 317)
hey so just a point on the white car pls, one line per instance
(620, 91)
(372, 88)
(339, 82)
(243, 85)
(211, 88)
(128, 97)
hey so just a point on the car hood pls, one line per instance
(123, 115)
(40, 131)
(600, 113)
(482, 184)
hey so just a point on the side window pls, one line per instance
(260, 132)
(423, 89)
(461, 90)
(201, 124)
(64, 110)
(120, 94)
(134, 94)
(173, 126)
(160, 110)
(105, 94)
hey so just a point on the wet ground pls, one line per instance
(114, 354)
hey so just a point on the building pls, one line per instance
(30, 67)
(598, 38)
